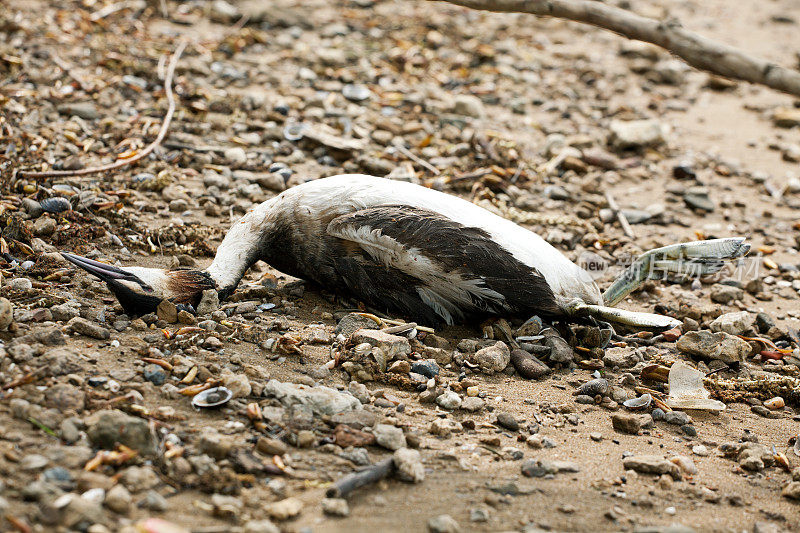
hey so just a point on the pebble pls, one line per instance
(726, 294)
(700, 450)
(491, 359)
(6, 314)
(112, 427)
(652, 464)
(698, 198)
(167, 311)
(87, 328)
(468, 105)
(443, 523)
(154, 501)
(321, 400)
(427, 368)
(473, 404)
(155, 375)
(449, 400)
(723, 346)
(235, 156)
(739, 323)
(261, 526)
(19, 284)
(119, 500)
(84, 110)
(209, 302)
(335, 507)
(394, 346)
(390, 437)
(408, 465)
(528, 366)
(630, 423)
(792, 491)
(560, 350)
(284, 509)
(679, 418)
(478, 514)
(270, 446)
(636, 133)
(508, 421)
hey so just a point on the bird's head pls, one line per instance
(139, 290)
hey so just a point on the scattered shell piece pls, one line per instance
(212, 398)
(642, 402)
(56, 204)
(593, 387)
(686, 389)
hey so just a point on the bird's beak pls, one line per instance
(103, 271)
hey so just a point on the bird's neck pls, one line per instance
(246, 243)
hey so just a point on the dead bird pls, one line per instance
(411, 251)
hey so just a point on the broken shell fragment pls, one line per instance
(686, 389)
(212, 398)
(593, 388)
(56, 204)
(655, 373)
(642, 402)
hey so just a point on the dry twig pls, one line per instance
(698, 51)
(623, 221)
(144, 153)
(367, 476)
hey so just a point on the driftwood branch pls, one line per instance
(369, 475)
(162, 132)
(696, 50)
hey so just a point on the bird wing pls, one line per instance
(450, 268)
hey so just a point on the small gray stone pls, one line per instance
(118, 499)
(87, 328)
(508, 421)
(636, 133)
(209, 302)
(478, 514)
(335, 507)
(739, 323)
(443, 523)
(6, 314)
(698, 198)
(154, 501)
(408, 465)
(652, 464)
(393, 346)
(727, 348)
(725, 294)
(472, 404)
(449, 400)
(679, 418)
(84, 110)
(494, 358)
(321, 400)
(468, 105)
(620, 357)
(560, 350)
(115, 427)
(261, 526)
(630, 423)
(390, 437)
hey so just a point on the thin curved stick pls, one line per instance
(144, 153)
(698, 51)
